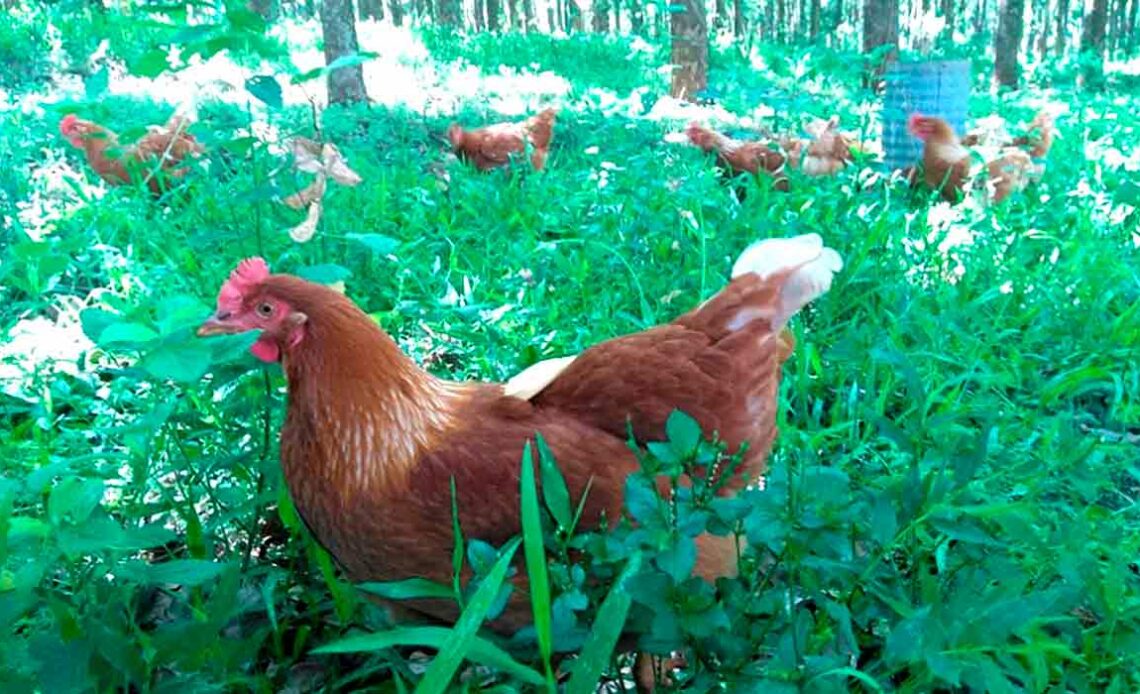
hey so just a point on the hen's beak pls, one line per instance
(218, 324)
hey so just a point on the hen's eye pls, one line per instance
(265, 309)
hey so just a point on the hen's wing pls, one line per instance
(720, 363)
(492, 146)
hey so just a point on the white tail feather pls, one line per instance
(812, 266)
(533, 380)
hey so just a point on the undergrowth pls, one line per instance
(951, 502)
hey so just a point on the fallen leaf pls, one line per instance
(304, 231)
(336, 167)
(307, 154)
(309, 194)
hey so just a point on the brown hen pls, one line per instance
(155, 158)
(371, 441)
(493, 146)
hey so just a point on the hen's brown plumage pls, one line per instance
(945, 162)
(492, 146)
(735, 157)
(371, 441)
(154, 158)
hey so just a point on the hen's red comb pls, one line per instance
(67, 125)
(249, 273)
(913, 120)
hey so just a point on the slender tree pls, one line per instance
(338, 28)
(1062, 26)
(738, 18)
(494, 15)
(528, 15)
(1007, 43)
(881, 31)
(395, 11)
(637, 17)
(813, 28)
(1132, 28)
(450, 13)
(690, 38)
(370, 9)
(1092, 44)
(600, 21)
(268, 9)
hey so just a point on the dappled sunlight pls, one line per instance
(37, 348)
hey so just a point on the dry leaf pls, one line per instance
(307, 154)
(309, 194)
(305, 230)
(336, 167)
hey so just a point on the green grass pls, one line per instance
(953, 494)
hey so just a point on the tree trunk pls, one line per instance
(600, 21)
(690, 37)
(451, 13)
(338, 28)
(1007, 42)
(480, 11)
(813, 29)
(528, 15)
(781, 20)
(738, 18)
(1092, 44)
(947, 8)
(266, 8)
(494, 15)
(395, 11)
(980, 17)
(637, 17)
(881, 29)
(1132, 26)
(1061, 26)
(1042, 46)
(370, 9)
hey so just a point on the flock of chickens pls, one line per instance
(372, 442)
(946, 165)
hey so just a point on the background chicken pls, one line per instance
(371, 441)
(945, 161)
(492, 146)
(735, 157)
(827, 152)
(154, 158)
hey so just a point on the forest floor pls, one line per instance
(974, 373)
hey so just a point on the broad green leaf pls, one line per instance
(151, 63)
(182, 572)
(678, 560)
(183, 361)
(684, 433)
(481, 651)
(377, 243)
(455, 647)
(73, 499)
(126, 334)
(324, 274)
(95, 320)
(265, 88)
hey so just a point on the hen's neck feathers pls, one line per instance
(365, 410)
